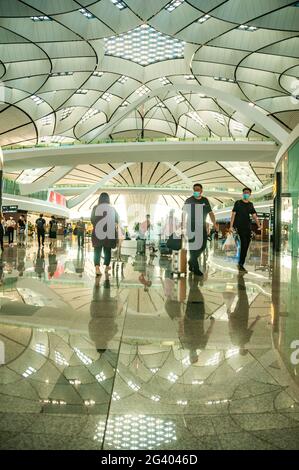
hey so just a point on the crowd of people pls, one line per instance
(106, 231)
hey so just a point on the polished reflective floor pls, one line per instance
(139, 359)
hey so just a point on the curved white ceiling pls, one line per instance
(69, 68)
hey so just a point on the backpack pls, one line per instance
(40, 224)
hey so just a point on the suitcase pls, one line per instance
(164, 250)
(179, 263)
(141, 247)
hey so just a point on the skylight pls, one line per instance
(36, 99)
(123, 79)
(245, 27)
(143, 90)
(223, 79)
(119, 4)
(40, 18)
(47, 120)
(244, 173)
(179, 98)
(164, 80)
(86, 13)
(203, 19)
(30, 175)
(107, 96)
(66, 112)
(173, 5)
(60, 74)
(189, 77)
(91, 112)
(144, 45)
(96, 73)
(193, 115)
(219, 118)
(81, 92)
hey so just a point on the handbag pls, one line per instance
(174, 243)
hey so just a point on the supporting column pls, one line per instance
(1, 177)
(277, 214)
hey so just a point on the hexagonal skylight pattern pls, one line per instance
(144, 45)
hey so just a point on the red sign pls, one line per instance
(57, 198)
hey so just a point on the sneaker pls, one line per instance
(242, 269)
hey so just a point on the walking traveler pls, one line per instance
(40, 228)
(194, 221)
(104, 219)
(80, 232)
(21, 230)
(240, 220)
(10, 228)
(53, 232)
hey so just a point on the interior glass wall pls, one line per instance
(289, 168)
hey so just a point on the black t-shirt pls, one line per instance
(243, 210)
(40, 223)
(189, 209)
(21, 224)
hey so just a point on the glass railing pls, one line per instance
(10, 187)
(132, 140)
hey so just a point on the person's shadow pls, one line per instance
(193, 334)
(239, 330)
(104, 310)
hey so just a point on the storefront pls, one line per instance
(287, 189)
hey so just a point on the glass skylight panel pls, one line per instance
(91, 112)
(59, 359)
(123, 79)
(244, 173)
(57, 139)
(119, 4)
(143, 90)
(96, 73)
(173, 5)
(245, 27)
(219, 118)
(223, 79)
(81, 92)
(107, 96)
(203, 19)
(124, 104)
(86, 13)
(193, 115)
(47, 120)
(160, 104)
(30, 175)
(179, 98)
(66, 112)
(144, 45)
(164, 80)
(36, 99)
(40, 18)
(238, 126)
(189, 77)
(60, 74)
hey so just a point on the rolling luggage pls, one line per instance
(164, 250)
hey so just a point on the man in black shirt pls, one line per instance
(240, 220)
(40, 227)
(196, 225)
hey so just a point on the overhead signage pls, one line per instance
(10, 208)
(57, 198)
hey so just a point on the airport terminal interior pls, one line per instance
(142, 100)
